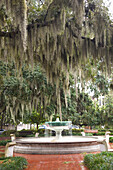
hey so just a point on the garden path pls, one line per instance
(54, 162)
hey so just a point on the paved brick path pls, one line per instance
(54, 162)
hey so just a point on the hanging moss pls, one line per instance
(60, 44)
(18, 11)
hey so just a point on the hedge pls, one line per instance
(77, 130)
(100, 161)
(24, 133)
(105, 130)
(4, 142)
(111, 139)
(13, 163)
(8, 132)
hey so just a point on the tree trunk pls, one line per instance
(37, 126)
(15, 127)
(2, 115)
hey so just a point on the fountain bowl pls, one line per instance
(63, 145)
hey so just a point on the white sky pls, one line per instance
(109, 4)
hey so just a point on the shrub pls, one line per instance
(104, 130)
(76, 134)
(101, 161)
(111, 139)
(8, 132)
(100, 133)
(65, 132)
(25, 133)
(41, 131)
(77, 130)
(4, 142)
(13, 163)
(89, 134)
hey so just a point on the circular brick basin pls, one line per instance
(52, 145)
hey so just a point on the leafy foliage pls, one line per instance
(99, 161)
(111, 139)
(32, 90)
(10, 163)
(4, 142)
(60, 36)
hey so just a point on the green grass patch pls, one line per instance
(100, 161)
(13, 163)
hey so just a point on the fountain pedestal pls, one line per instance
(58, 133)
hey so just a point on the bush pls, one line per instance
(8, 132)
(105, 130)
(41, 131)
(4, 142)
(25, 133)
(65, 132)
(13, 163)
(76, 134)
(111, 139)
(100, 133)
(89, 134)
(100, 161)
(77, 130)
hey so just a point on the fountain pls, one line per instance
(59, 144)
(58, 126)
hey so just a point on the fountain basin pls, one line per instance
(52, 145)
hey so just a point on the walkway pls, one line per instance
(54, 162)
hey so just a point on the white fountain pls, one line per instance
(59, 144)
(58, 126)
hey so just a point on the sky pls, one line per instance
(109, 4)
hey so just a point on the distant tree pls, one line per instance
(35, 117)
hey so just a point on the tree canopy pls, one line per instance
(61, 35)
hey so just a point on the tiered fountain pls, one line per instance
(58, 126)
(59, 144)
